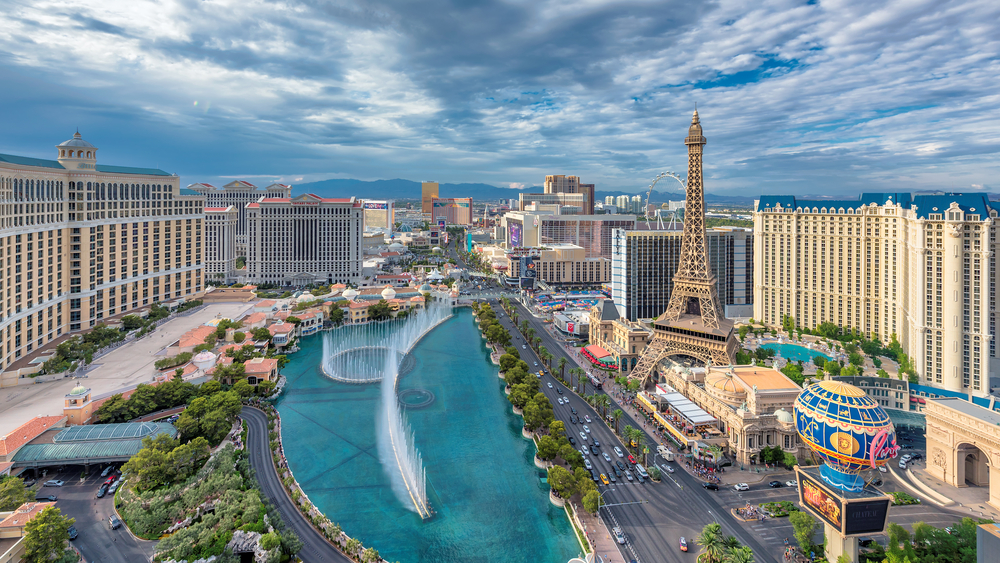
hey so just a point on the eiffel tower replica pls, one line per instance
(693, 324)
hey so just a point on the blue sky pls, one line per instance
(805, 97)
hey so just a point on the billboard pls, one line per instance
(442, 225)
(866, 517)
(528, 273)
(372, 205)
(851, 514)
(821, 501)
(515, 234)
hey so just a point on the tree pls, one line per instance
(562, 366)
(229, 374)
(710, 541)
(833, 368)
(336, 315)
(186, 459)
(571, 456)
(827, 330)
(242, 388)
(805, 526)
(261, 334)
(270, 541)
(856, 359)
(743, 330)
(818, 361)
(557, 428)
(352, 546)
(45, 536)
(794, 372)
(739, 554)
(592, 502)
(239, 337)
(13, 493)
(379, 311)
(548, 448)
(617, 414)
(562, 481)
(370, 555)
(849, 371)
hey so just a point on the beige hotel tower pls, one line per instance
(922, 268)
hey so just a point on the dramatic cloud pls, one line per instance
(796, 97)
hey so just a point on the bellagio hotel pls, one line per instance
(921, 267)
(82, 241)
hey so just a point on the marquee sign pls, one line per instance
(849, 513)
(376, 205)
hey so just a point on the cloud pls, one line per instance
(828, 97)
(516, 185)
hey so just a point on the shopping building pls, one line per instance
(239, 193)
(922, 268)
(220, 243)
(305, 239)
(88, 241)
(643, 264)
(591, 232)
(454, 210)
(559, 264)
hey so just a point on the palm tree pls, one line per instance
(710, 543)
(741, 554)
(543, 354)
(351, 547)
(730, 542)
(582, 383)
(562, 367)
(617, 415)
(602, 401)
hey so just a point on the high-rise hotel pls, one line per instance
(921, 267)
(82, 241)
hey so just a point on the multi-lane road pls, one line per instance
(676, 507)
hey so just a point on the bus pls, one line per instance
(642, 471)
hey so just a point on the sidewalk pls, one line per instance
(970, 500)
(600, 536)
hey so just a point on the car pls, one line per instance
(586, 429)
(628, 475)
(774, 484)
(915, 457)
(54, 483)
(571, 409)
(114, 523)
(618, 452)
(639, 478)
(102, 491)
(791, 483)
(683, 544)
(583, 436)
(572, 419)
(604, 478)
(596, 443)
(606, 457)
(882, 469)
(902, 464)
(585, 450)
(619, 536)
(107, 470)
(620, 465)
(111, 479)
(29, 482)
(550, 385)
(710, 486)
(559, 400)
(668, 468)
(536, 364)
(631, 459)
(46, 498)
(113, 487)
(559, 390)
(587, 418)
(571, 440)
(612, 477)
(906, 457)
(741, 487)
(587, 464)
(616, 472)
(524, 346)
(877, 482)
(73, 534)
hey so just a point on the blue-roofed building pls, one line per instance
(918, 267)
(116, 240)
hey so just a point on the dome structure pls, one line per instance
(78, 390)
(388, 293)
(437, 250)
(723, 387)
(784, 416)
(426, 288)
(77, 149)
(847, 428)
(204, 360)
(397, 247)
(350, 293)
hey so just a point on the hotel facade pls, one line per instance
(922, 268)
(84, 241)
(220, 243)
(239, 193)
(305, 239)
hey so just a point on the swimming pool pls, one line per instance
(795, 352)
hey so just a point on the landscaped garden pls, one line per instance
(900, 498)
(778, 509)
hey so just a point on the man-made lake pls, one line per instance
(489, 499)
(794, 352)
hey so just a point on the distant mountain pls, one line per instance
(408, 189)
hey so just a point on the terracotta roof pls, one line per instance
(217, 209)
(195, 336)
(305, 315)
(417, 298)
(260, 365)
(24, 514)
(255, 318)
(5, 467)
(766, 379)
(359, 305)
(254, 205)
(282, 328)
(266, 303)
(27, 432)
(339, 286)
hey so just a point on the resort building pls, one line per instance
(963, 445)
(454, 210)
(591, 232)
(554, 203)
(220, 243)
(614, 339)
(741, 409)
(559, 184)
(559, 264)
(643, 264)
(303, 240)
(379, 214)
(87, 241)
(428, 191)
(239, 194)
(922, 268)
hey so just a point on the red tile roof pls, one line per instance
(195, 336)
(260, 365)
(24, 514)
(266, 303)
(27, 432)
(283, 328)
(254, 318)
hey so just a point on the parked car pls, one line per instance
(114, 523)
(54, 483)
(774, 484)
(906, 457)
(114, 487)
(915, 457)
(619, 536)
(683, 544)
(29, 482)
(792, 483)
(46, 498)
(618, 452)
(710, 486)
(107, 470)
(741, 487)
(102, 491)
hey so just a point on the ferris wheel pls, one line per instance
(682, 180)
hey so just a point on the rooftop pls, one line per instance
(965, 407)
(107, 168)
(99, 432)
(765, 379)
(24, 514)
(27, 432)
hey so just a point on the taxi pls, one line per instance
(604, 479)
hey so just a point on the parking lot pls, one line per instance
(77, 499)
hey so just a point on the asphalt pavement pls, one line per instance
(676, 507)
(96, 542)
(315, 547)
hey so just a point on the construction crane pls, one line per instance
(680, 179)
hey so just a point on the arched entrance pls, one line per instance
(972, 467)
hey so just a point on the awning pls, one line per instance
(597, 352)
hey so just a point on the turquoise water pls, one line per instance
(490, 502)
(795, 352)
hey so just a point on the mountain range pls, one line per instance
(409, 189)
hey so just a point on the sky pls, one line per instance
(806, 97)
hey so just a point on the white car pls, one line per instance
(791, 483)
(882, 469)
(583, 436)
(586, 429)
(906, 458)
(585, 450)
(668, 468)
(587, 418)
(560, 400)
(619, 536)
(607, 458)
(618, 452)
(54, 483)
(741, 487)
(550, 385)
(587, 464)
